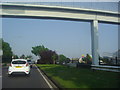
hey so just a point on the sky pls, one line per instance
(65, 37)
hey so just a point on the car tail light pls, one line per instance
(10, 65)
(26, 64)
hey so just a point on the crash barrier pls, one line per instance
(106, 68)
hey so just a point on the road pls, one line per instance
(0, 76)
(35, 80)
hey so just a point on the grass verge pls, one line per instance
(70, 77)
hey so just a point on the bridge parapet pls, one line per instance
(57, 12)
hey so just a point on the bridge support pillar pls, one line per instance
(94, 37)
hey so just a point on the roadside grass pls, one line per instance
(71, 77)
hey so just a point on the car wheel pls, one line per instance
(28, 75)
(9, 75)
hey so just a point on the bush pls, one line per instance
(83, 65)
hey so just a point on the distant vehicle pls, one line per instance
(30, 63)
(19, 66)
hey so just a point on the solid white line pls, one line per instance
(44, 78)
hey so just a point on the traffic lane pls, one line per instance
(0, 82)
(35, 80)
(0, 76)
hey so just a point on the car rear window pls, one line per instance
(18, 62)
(29, 60)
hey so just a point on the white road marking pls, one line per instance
(44, 78)
(0, 76)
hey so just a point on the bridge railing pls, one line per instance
(109, 6)
(110, 61)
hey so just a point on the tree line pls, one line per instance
(8, 55)
(7, 52)
(46, 56)
(22, 56)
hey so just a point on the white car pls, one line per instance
(19, 66)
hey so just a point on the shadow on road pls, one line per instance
(19, 75)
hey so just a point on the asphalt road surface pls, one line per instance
(0, 76)
(35, 80)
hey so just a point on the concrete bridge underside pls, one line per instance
(63, 13)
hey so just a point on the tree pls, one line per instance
(15, 56)
(0, 43)
(67, 60)
(46, 56)
(54, 58)
(7, 52)
(22, 56)
(88, 59)
(38, 49)
(28, 57)
(62, 59)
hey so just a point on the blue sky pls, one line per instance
(65, 37)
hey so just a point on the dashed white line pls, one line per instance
(44, 78)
